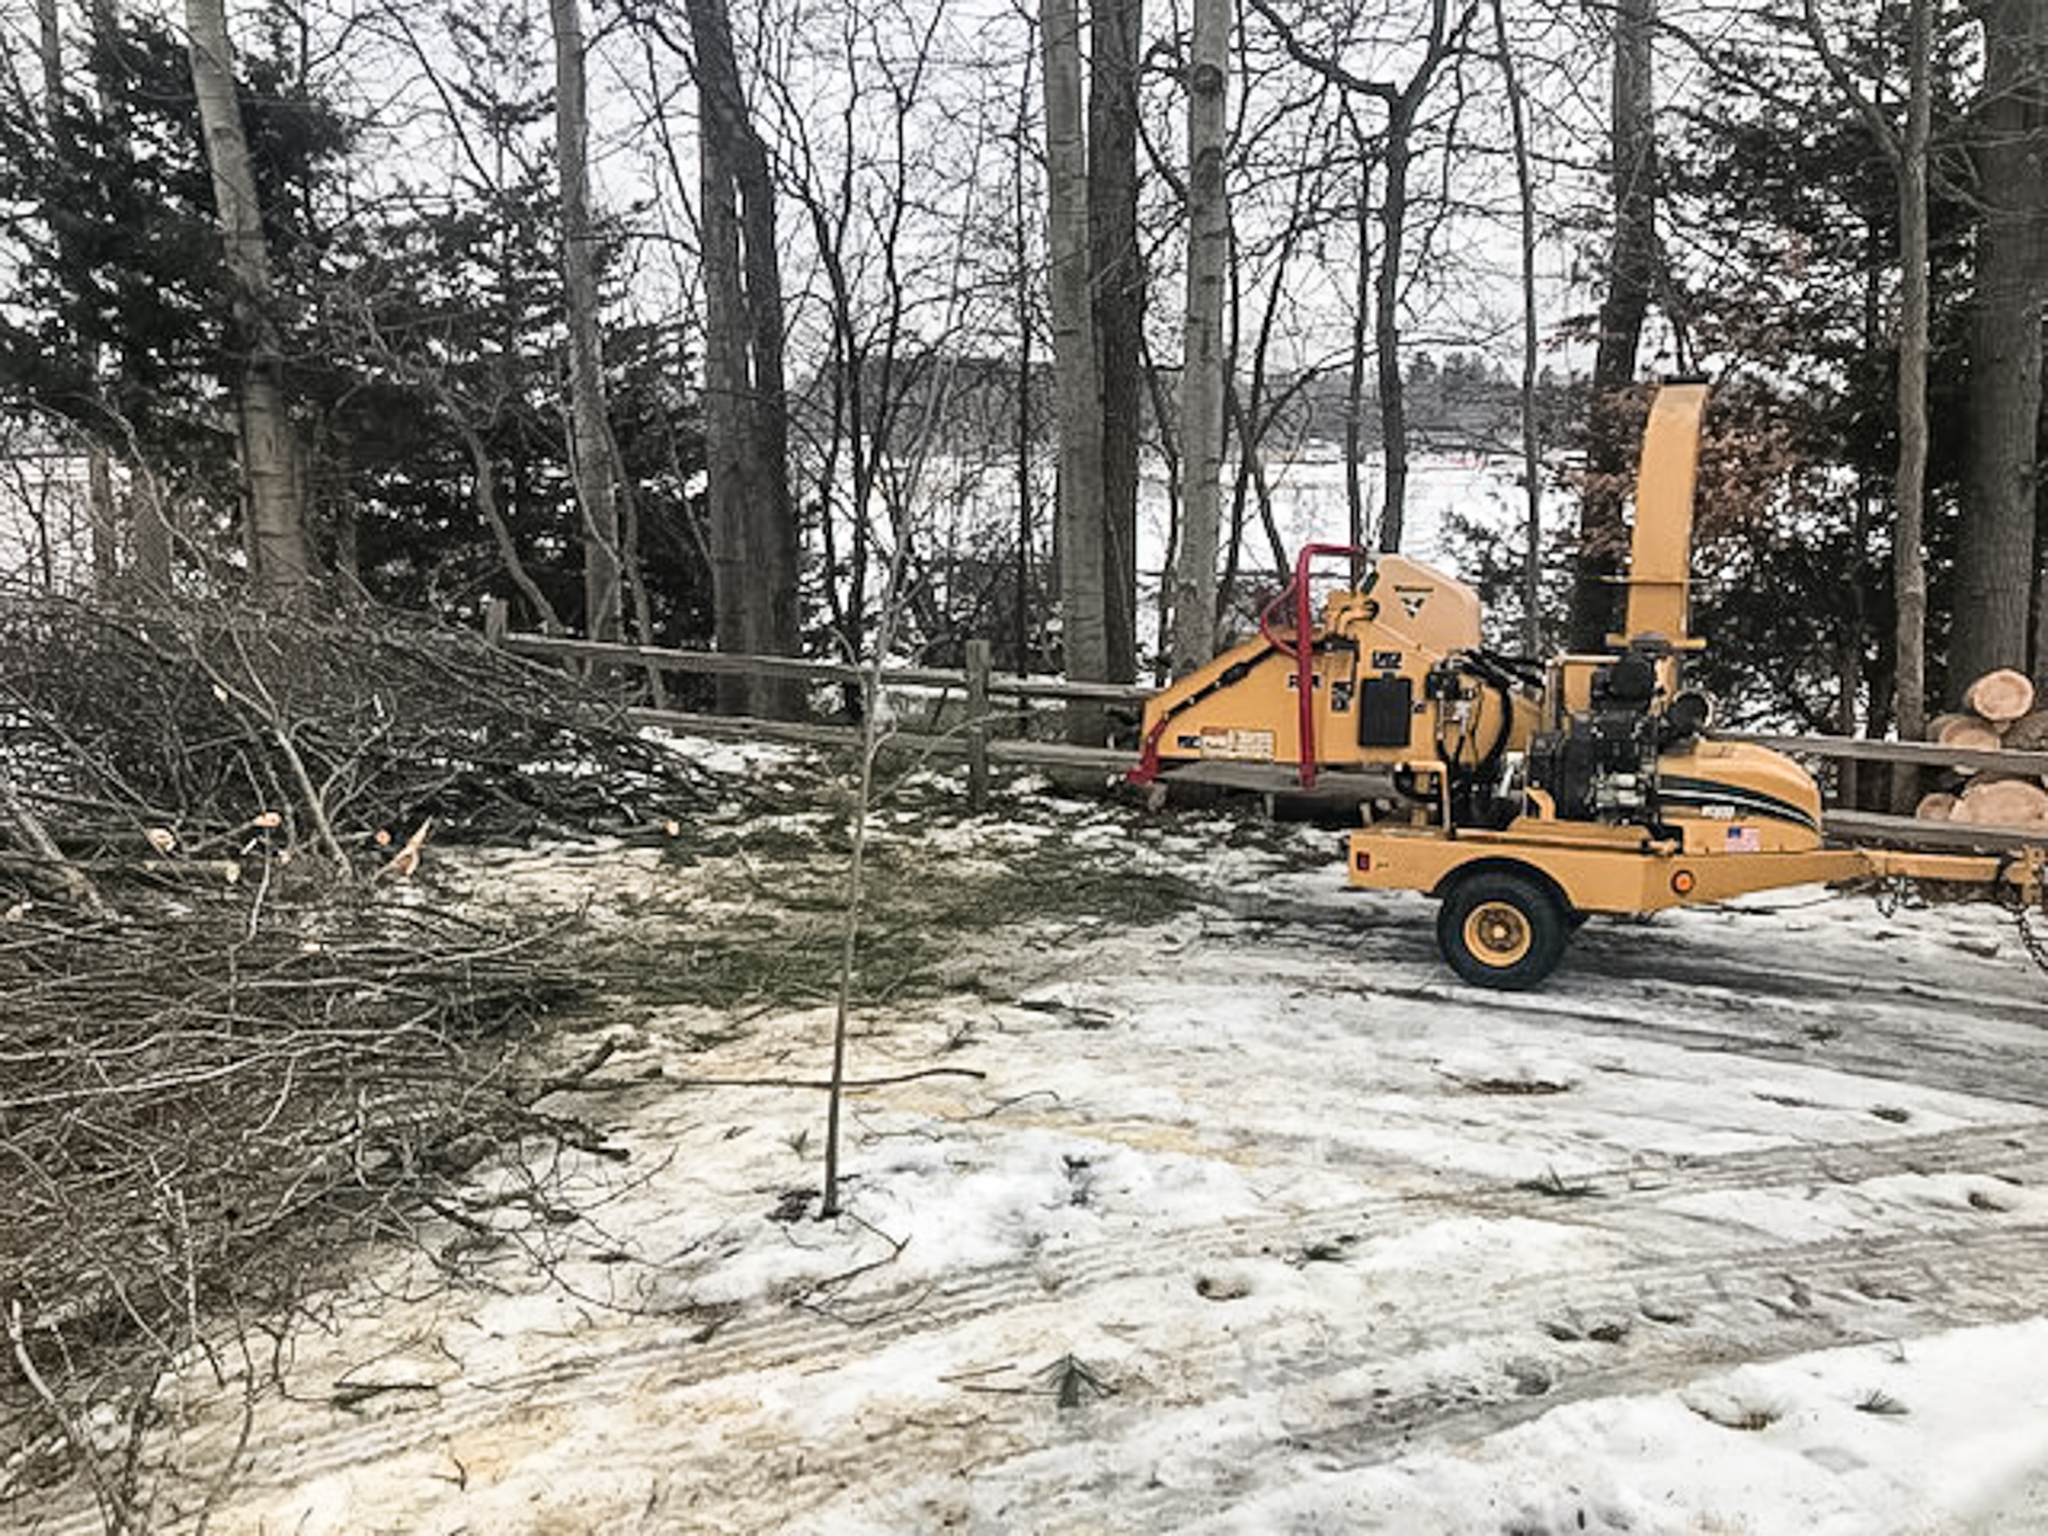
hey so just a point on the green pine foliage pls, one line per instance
(1788, 277)
(422, 323)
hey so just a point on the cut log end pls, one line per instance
(2002, 803)
(2001, 695)
(1973, 733)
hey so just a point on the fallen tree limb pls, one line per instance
(46, 858)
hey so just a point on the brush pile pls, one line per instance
(328, 729)
(232, 1039)
(201, 1105)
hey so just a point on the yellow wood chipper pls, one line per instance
(1522, 795)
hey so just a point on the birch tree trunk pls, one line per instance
(1076, 369)
(590, 456)
(280, 554)
(1194, 598)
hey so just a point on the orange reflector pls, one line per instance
(1683, 882)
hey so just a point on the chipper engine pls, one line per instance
(1523, 795)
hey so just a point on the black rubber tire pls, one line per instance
(1502, 930)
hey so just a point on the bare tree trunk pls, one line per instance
(1386, 326)
(630, 545)
(1076, 368)
(1201, 406)
(1354, 377)
(1908, 553)
(1855, 781)
(484, 492)
(101, 514)
(153, 532)
(1906, 147)
(1532, 456)
(1118, 289)
(150, 552)
(280, 555)
(1995, 552)
(1027, 398)
(1403, 103)
(50, 52)
(99, 480)
(1631, 275)
(746, 407)
(590, 457)
(2040, 636)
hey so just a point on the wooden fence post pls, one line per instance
(497, 620)
(979, 660)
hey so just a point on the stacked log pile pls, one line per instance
(1998, 712)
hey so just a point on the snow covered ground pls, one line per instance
(1249, 1218)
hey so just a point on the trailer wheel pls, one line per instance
(1500, 929)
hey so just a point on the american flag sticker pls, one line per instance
(1745, 840)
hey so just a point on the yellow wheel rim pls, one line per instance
(1497, 933)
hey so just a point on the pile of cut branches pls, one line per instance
(201, 1106)
(224, 1055)
(331, 732)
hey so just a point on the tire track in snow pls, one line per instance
(1692, 990)
(1060, 1283)
(1776, 1300)
(1641, 961)
(1915, 1050)
(1755, 1305)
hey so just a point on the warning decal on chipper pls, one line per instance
(1233, 745)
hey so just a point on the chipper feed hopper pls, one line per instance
(1523, 795)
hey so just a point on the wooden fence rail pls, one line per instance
(1004, 684)
(977, 684)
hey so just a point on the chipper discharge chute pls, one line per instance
(1522, 795)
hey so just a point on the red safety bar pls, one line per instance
(1303, 655)
(1303, 648)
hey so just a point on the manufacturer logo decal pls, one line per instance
(1412, 598)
